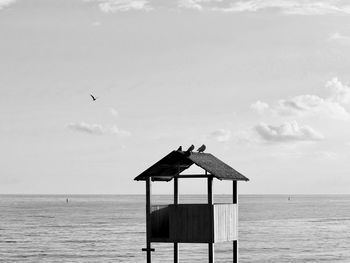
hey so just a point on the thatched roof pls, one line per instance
(178, 161)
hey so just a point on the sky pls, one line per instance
(265, 85)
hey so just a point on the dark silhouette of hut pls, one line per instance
(191, 223)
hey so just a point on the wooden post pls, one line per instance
(235, 201)
(148, 218)
(176, 201)
(210, 202)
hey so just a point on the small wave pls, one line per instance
(325, 220)
(39, 216)
(82, 241)
(63, 226)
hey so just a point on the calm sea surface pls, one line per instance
(112, 229)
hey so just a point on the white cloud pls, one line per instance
(312, 105)
(339, 39)
(260, 106)
(296, 7)
(191, 4)
(338, 36)
(88, 128)
(115, 130)
(4, 3)
(256, 5)
(287, 132)
(110, 6)
(340, 93)
(317, 8)
(332, 106)
(114, 112)
(221, 135)
(97, 129)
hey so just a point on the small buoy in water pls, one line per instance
(289, 198)
(67, 200)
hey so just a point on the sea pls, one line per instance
(111, 228)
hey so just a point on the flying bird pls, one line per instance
(201, 149)
(93, 98)
(179, 149)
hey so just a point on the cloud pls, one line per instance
(115, 130)
(97, 129)
(256, 5)
(111, 6)
(296, 7)
(332, 106)
(114, 112)
(191, 4)
(260, 106)
(221, 135)
(287, 132)
(290, 7)
(312, 105)
(340, 93)
(5, 3)
(88, 128)
(339, 38)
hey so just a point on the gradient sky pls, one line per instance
(264, 84)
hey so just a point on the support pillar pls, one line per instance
(235, 201)
(210, 202)
(176, 201)
(148, 218)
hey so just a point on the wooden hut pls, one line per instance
(191, 223)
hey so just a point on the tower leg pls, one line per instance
(235, 201)
(149, 259)
(210, 202)
(176, 201)
(211, 252)
(148, 218)
(235, 251)
(176, 252)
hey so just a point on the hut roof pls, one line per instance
(177, 161)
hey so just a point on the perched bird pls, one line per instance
(93, 98)
(201, 149)
(189, 150)
(179, 149)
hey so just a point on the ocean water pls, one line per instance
(107, 229)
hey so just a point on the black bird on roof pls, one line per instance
(189, 150)
(201, 149)
(93, 98)
(179, 149)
